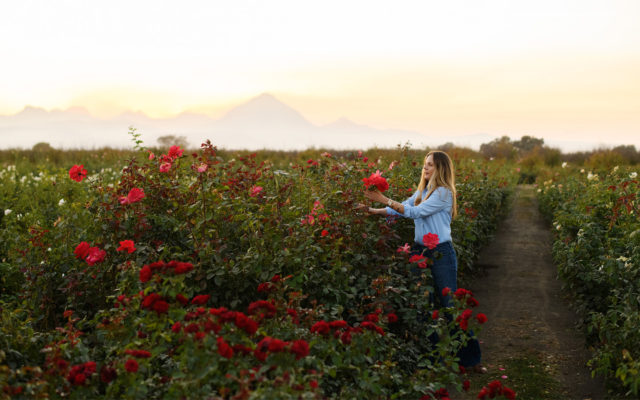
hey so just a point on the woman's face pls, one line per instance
(429, 168)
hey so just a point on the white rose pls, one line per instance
(61, 202)
(7, 212)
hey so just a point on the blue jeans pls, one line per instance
(444, 271)
(444, 268)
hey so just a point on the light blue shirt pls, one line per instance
(432, 215)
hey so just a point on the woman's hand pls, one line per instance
(374, 195)
(361, 207)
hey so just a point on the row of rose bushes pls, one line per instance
(597, 250)
(271, 284)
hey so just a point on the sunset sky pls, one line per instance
(563, 69)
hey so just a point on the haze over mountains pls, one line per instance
(262, 122)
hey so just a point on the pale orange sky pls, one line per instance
(562, 68)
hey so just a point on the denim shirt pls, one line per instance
(432, 215)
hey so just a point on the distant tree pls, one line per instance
(172, 140)
(527, 144)
(447, 147)
(628, 152)
(42, 147)
(499, 148)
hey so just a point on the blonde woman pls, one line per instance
(432, 207)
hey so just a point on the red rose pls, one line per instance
(435, 314)
(138, 353)
(145, 273)
(134, 196)
(175, 152)
(175, 328)
(300, 348)
(465, 385)
(371, 317)
(161, 307)
(127, 245)
(200, 299)
(165, 167)
(224, 349)
(446, 291)
(392, 318)
(320, 327)
(313, 383)
(131, 365)
(324, 233)
(430, 240)
(376, 180)
(508, 393)
(339, 324)
(95, 255)
(182, 268)
(183, 300)
(150, 299)
(82, 250)
(416, 258)
(482, 318)
(77, 173)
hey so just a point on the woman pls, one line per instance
(432, 207)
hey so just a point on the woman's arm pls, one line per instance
(380, 198)
(371, 210)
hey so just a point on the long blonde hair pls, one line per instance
(443, 176)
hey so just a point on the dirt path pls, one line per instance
(528, 315)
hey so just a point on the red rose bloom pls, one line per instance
(145, 273)
(138, 353)
(300, 348)
(95, 255)
(77, 173)
(175, 328)
(430, 240)
(175, 152)
(416, 258)
(376, 180)
(482, 318)
(127, 245)
(224, 349)
(392, 318)
(183, 300)
(161, 307)
(82, 250)
(200, 299)
(131, 365)
(134, 196)
(320, 327)
(182, 268)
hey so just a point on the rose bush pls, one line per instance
(230, 277)
(595, 223)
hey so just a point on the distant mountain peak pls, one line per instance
(266, 108)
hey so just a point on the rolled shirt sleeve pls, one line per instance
(406, 203)
(441, 199)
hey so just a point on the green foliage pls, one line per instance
(597, 249)
(286, 226)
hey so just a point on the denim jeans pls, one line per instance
(444, 271)
(444, 268)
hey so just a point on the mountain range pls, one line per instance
(263, 122)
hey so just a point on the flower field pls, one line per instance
(597, 250)
(207, 275)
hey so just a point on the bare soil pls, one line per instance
(527, 309)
